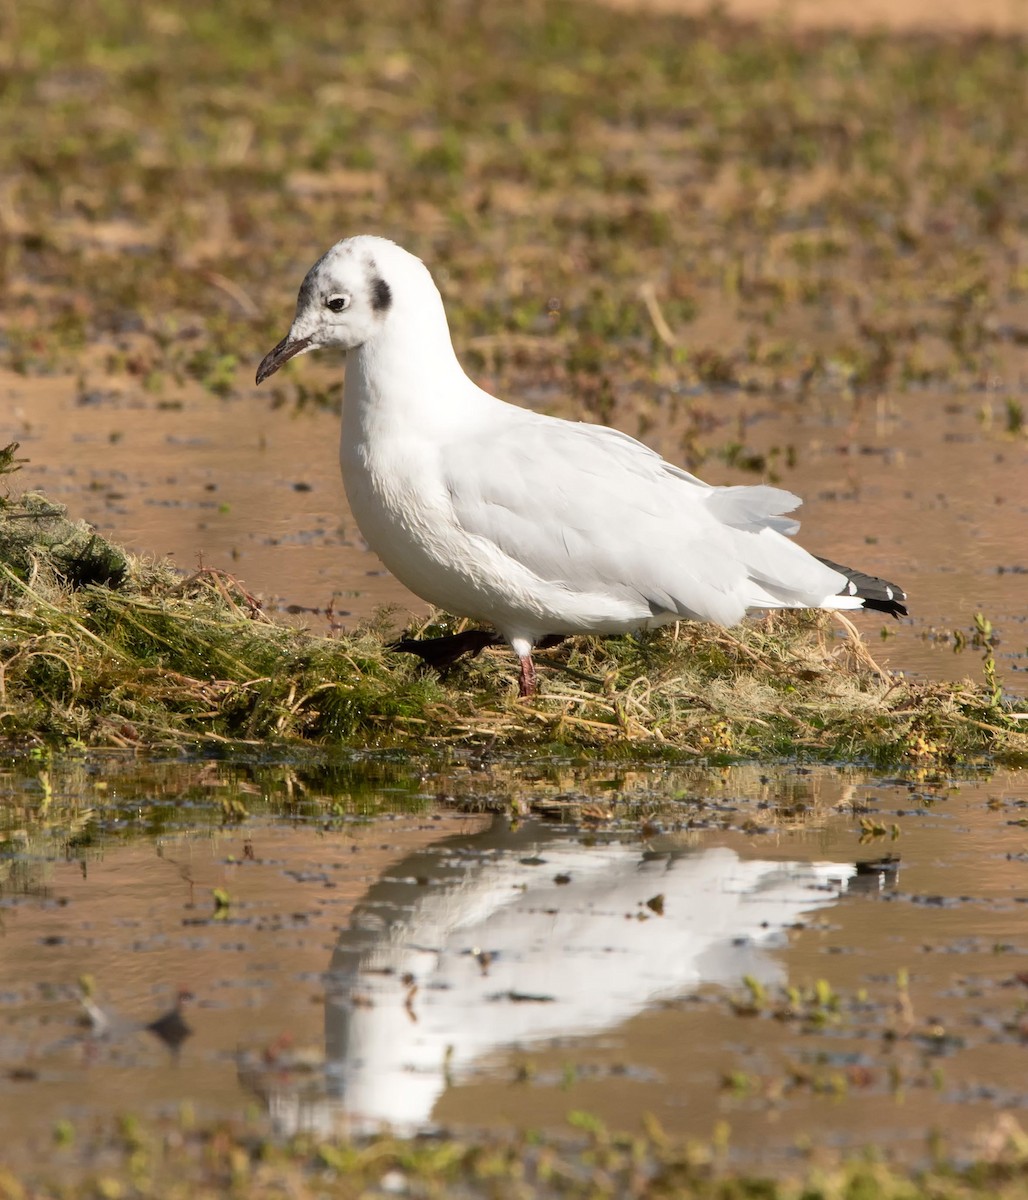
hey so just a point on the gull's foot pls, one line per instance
(442, 652)
(551, 640)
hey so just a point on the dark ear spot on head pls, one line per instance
(381, 296)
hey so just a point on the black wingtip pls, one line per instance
(879, 595)
(893, 607)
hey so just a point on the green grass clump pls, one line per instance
(38, 536)
(148, 655)
(102, 648)
(185, 1159)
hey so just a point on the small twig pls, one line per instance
(991, 728)
(224, 284)
(220, 579)
(648, 295)
(857, 644)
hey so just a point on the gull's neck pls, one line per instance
(407, 378)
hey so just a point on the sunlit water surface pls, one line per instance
(799, 957)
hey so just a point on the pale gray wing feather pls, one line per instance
(594, 510)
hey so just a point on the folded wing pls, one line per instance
(592, 509)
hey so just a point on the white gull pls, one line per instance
(537, 525)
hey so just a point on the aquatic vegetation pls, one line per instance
(186, 1157)
(102, 648)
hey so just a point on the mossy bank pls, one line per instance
(101, 648)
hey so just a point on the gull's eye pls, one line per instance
(337, 303)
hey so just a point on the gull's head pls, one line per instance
(348, 297)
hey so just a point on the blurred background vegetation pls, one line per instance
(665, 203)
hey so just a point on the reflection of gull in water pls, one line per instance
(507, 938)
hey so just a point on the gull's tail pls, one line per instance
(877, 594)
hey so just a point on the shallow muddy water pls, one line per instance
(779, 958)
(929, 490)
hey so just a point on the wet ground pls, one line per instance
(746, 954)
(928, 489)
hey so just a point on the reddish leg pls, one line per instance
(526, 678)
